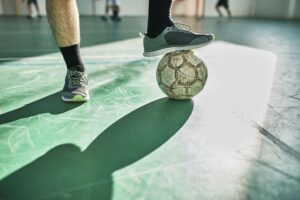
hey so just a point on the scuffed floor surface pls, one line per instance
(238, 139)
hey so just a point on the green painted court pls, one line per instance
(238, 139)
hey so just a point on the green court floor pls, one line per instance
(239, 139)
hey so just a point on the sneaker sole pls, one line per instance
(172, 49)
(76, 98)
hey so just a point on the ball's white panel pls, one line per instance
(186, 74)
(176, 61)
(167, 76)
(178, 72)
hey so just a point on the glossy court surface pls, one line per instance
(239, 139)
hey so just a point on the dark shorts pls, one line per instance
(29, 2)
(223, 3)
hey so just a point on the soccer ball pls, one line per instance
(181, 74)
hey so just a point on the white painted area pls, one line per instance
(219, 141)
(214, 149)
(240, 76)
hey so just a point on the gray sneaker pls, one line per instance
(75, 88)
(175, 38)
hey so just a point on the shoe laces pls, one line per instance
(76, 78)
(182, 26)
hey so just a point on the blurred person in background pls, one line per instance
(30, 4)
(225, 4)
(113, 5)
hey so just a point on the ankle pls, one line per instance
(72, 57)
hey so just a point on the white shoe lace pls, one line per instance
(76, 78)
(182, 26)
(177, 25)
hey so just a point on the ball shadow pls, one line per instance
(66, 173)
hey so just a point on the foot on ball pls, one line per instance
(174, 38)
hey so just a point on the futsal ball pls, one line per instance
(181, 74)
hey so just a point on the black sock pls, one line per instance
(115, 12)
(158, 17)
(72, 57)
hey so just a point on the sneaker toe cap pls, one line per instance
(203, 39)
(72, 94)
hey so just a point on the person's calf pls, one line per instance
(159, 17)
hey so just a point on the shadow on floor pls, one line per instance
(49, 104)
(66, 173)
(54, 105)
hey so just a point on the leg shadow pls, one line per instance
(50, 104)
(66, 173)
(54, 105)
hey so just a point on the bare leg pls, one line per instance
(29, 10)
(105, 16)
(219, 11)
(64, 21)
(116, 11)
(37, 9)
(228, 12)
(107, 10)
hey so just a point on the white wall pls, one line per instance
(278, 8)
(128, 7)
(1, 7)
(188, 8)
(240, 8)
(297, 9)
(140, 7)
(292, 8)
(134, 7)
(42, 5)
(258, 8)
(91, 7)
(85, 7)
(272, 8)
